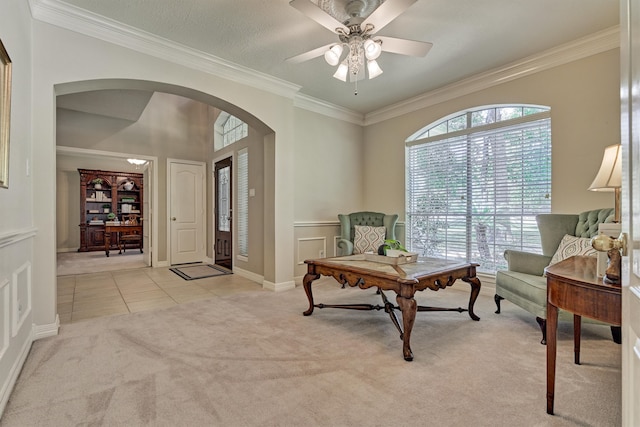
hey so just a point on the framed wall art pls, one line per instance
(5, 114)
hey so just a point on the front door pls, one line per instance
(630, 135)
(223, 212)
(186, 212)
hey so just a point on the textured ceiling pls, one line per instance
(468, 36)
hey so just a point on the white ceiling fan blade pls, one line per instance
(309, 55)
(404, 46)
(386, 12)
(318, 15)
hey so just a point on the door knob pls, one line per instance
(173, 218)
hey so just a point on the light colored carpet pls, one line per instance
(93, 262)
(253, 359)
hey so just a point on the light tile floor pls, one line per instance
(86, 296)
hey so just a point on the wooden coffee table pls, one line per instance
(404, 280)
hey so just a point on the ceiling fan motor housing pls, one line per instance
(349, 11)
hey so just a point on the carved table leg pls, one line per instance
(308, 278)
(475, 291)
(409, 308)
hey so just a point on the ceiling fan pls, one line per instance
(356, 22)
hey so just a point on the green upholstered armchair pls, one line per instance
(374, 219)
(523, 282)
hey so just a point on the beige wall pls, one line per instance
(328, 181)
(328, 175)
(585, 118)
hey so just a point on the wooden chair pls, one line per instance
(132, 236)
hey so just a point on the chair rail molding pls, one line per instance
(14, 237)
(316, 224)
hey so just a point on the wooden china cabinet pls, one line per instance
(118, 193)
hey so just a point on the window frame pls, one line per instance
(423, 137)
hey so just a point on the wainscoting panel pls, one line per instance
(16, 317)
(311, 239)
(5, 319)
(311, 247)
(21, 292)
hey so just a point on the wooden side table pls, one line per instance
(573, 285)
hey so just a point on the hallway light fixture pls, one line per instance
(137, 162)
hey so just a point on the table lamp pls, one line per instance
(609, 177)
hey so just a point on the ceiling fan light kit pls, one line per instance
(374, 69)
(355, 23)
(332, 56)
(372, 49)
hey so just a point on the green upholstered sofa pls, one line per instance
(373, 219)
(523, 282)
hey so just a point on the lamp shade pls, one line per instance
(609, 176)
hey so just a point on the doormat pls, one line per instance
(194, 272)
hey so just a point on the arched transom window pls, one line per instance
(228, 129)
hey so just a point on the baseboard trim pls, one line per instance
(249, 275)
(7, 387)
(278, 287)
(44, 331)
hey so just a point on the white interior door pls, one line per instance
(186, 212)
(147, 213)
(630, 132)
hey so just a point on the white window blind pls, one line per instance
(242, 211)
(471, 194)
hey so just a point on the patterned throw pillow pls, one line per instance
(571, 246)
(368, 239)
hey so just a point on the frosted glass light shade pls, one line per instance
(332, 56)
(342, 71)
(374, 69)
(372, 50)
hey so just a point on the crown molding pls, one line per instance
(75, 19)
(316, 105)
(599, 42)
(60, 14)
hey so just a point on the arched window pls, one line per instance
(475, 182)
